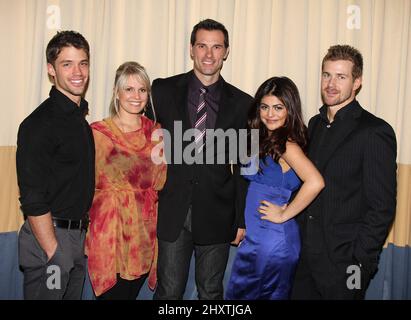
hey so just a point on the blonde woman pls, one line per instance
(121, 243)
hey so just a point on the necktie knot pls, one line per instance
(203, 91)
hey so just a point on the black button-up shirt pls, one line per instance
(326, 131)
(212, 98)
(55, 159)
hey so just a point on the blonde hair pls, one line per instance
(129, 68)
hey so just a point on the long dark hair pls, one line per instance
(294, 129)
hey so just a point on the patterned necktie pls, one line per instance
(201, 120)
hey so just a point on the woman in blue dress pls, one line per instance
(266, 259)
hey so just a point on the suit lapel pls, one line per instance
(225, 111)
(181, 101)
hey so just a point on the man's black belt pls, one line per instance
(71, 224)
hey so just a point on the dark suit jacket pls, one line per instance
(351, 217)
(217, 195)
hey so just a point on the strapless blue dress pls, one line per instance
(265, 262)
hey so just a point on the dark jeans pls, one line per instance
(124, 289)
(174, 263)
(60, 278)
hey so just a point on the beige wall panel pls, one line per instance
(10, 216)
(400, 234)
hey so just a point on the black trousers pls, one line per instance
(62, 277)
(174, 263)
(318, 278)
(124, 289)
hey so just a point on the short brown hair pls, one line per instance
(65, 39)
(209, 25)
(345, 52)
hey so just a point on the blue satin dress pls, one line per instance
(266, 259)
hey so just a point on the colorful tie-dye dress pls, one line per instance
(122, 233)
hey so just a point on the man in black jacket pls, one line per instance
(344, 228)
(55, 171)
(201, 207)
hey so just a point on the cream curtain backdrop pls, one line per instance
(267, 38)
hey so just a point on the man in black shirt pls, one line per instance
(55, 171)
(344, 228)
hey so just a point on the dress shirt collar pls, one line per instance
(213, 90)
(65, 104)
(351, 110)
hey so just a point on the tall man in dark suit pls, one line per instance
(344, 228)
(201, 206)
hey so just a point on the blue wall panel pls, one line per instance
(392, 281)
(11, 278)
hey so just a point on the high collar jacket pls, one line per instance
(351, 217)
